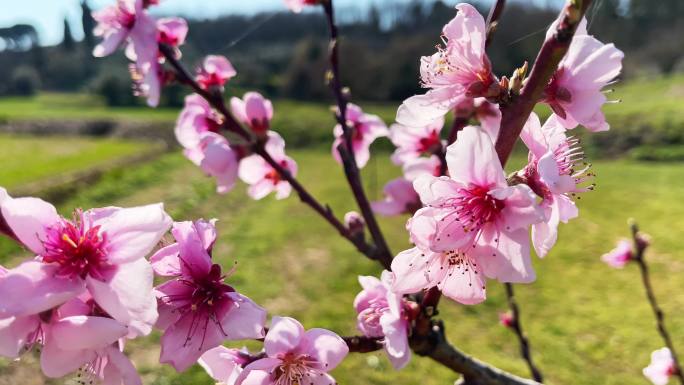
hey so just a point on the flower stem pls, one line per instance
(640, 247)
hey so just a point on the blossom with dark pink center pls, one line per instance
(474, 225)
(556, 172)
(365, 128)
(620, 255)
(127, 23)
(295, 356)
(400, 198)
(412, 142)
(102, 250)
(381, 313)
(198, 310)
(264, 179)
(574, 92)
(458, 71)
(172, 32)
(661, 368)
(215, 71)
(253, 110)
(196, 130)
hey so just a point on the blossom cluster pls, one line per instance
(89, 289)
(90, 286)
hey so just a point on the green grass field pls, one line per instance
(28, 159)
(648, 117)
(588, 324)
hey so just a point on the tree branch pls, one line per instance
(435, 345)
(216, 100)
(516, 325)
(515, 114)
(362, 344)
(640, 246)
(351, 169)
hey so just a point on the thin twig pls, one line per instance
(495, 13)
(351, 169)
(640, 246)
(216, 100)
(516, 325)
(362, 344)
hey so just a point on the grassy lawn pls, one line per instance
(28, 159)
(588, 324)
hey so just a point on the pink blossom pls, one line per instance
(412, 142)
(196, 131)
(102, 250)
(197, 309)
(506, 319)
(381, 314)
(253, 110)
(556, 172)
(620, 255)
(458, 71)
(413, 169)
(400, 198)
(574, 92)
(126, 22)
(215, 72)
(83, 338)
(264, 179)
(295, 356)
(474, 225)
(296, 6)
(365, 129)
(224, 365)
(172, 32)
(661, 368)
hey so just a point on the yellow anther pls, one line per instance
(68, 240)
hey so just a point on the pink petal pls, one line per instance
(464, 284)
(284, 336)
(133, 232)
(33, 287)
(244, 320)
(128, 296)
(473, 159)
(220, 364)
(410, 267)
(121, 367)
(521, 209)
(396, 340)
(507, 258)
(29, 218)
(83, 332)
(326, 347)
(14, 333)
(195, 260)
(165, 261)
(184, 342)
(56, 362)
(421, 110)
(252, 169)
(168, 310)
(258, 372)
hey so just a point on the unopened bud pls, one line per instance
(355, 223)
(506, 319)
(517, 80)
(643, 240)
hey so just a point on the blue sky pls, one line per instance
(48, 15)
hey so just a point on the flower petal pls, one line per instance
(29, 218)
(284, 336)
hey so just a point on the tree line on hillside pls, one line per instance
(380, 50)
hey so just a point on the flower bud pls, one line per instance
(355, 223)
(506, 319)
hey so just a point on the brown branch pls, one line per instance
(216, 100)
(515, 114)
(362, 344)
(516, 326)
(475, 372)
(493, 19)
(351, 169)
(640, 246)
